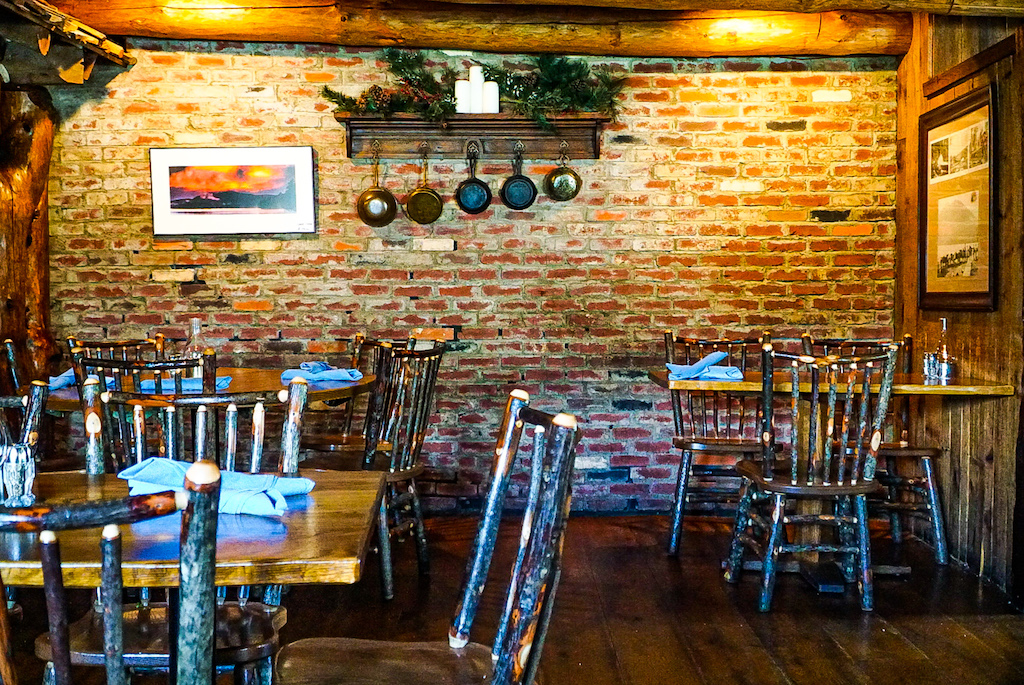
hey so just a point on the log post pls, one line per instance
(27, 124)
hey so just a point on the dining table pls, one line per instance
(903, 384)
(243, 379)
(322, 538)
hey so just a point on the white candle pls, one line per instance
(491, 97)
(462, 98)
(476, 90)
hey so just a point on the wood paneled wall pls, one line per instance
(980, 436)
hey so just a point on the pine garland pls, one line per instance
(419, 91)
(558, 85)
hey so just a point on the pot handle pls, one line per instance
(472, 153)
(517, 161)
(563, 156)
(375, 146)
(424, 151)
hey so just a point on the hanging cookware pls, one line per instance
(562, 183)
(376, 206)
(424, 204)
(473, 195)
(518, 191)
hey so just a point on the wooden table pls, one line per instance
(903, 384)
(242, 380)
(322, 538)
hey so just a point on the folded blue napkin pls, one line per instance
(704, 370)
(320, 371)
(190, 384)
(261, 494)
(64, 380)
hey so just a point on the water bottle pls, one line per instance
(195, 344)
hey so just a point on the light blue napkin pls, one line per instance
(704, 370)
(261, 494)
(64, 380)
(320, 371)
(190, 384)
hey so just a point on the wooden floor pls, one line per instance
(628, 614)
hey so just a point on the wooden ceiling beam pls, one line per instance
(994, 8)
(512, 29)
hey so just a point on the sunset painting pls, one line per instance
(211, 191)
(232, 189)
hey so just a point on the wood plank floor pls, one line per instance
(628, 614)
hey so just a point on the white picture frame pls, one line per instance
(232, 190)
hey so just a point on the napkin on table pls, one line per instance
(261, 494)
(704, 370)
(320, 371)
(190, 384)
(64, 380)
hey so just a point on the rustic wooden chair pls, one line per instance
(527, 608)
(395, 427)
(716, 424)
(19, 378)
(126, 374)
(195, 636)
(906, 469)
(169, 422)
(831, 459)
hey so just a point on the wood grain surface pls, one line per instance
(322, 538)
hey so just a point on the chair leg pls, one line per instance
(387, 573)
(935, 510)
(265, 671)
(895, 516)
(679, 504)
(734, 562)
(847, 537)
(422, 551)
(866, 580)
(771, 552)
(246, 674)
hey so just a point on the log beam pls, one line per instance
(992, 8)
(514, 29)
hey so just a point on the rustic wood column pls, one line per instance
(27, 124)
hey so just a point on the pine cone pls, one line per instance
(375, 92)
(578, 86)
(530, 80)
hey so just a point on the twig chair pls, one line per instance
(526, 611)
(830, 460)
(908, 491)
(193, 652)
(713, 423)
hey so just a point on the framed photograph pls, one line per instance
(958, 256)
(231, 190)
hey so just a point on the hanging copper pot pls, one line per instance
(424, 204)
(376, 206)
(562, 183)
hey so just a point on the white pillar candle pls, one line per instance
(476, 89)
(462, 98)
(491, 97)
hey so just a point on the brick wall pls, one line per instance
(731, 195)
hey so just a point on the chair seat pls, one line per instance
(780, 483)
(346, 661)
(338, 442)
(353, 461)
(724, 445)
(244, 633)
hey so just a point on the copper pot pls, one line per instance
(424, 204)
(376, 206)
(562, 183)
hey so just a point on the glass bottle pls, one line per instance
(943, 350)
(195, 344)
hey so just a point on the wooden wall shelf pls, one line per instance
(401, 136)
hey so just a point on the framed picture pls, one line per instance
(958, 257)
(231, 190)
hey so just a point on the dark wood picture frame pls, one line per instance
(957, 251)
